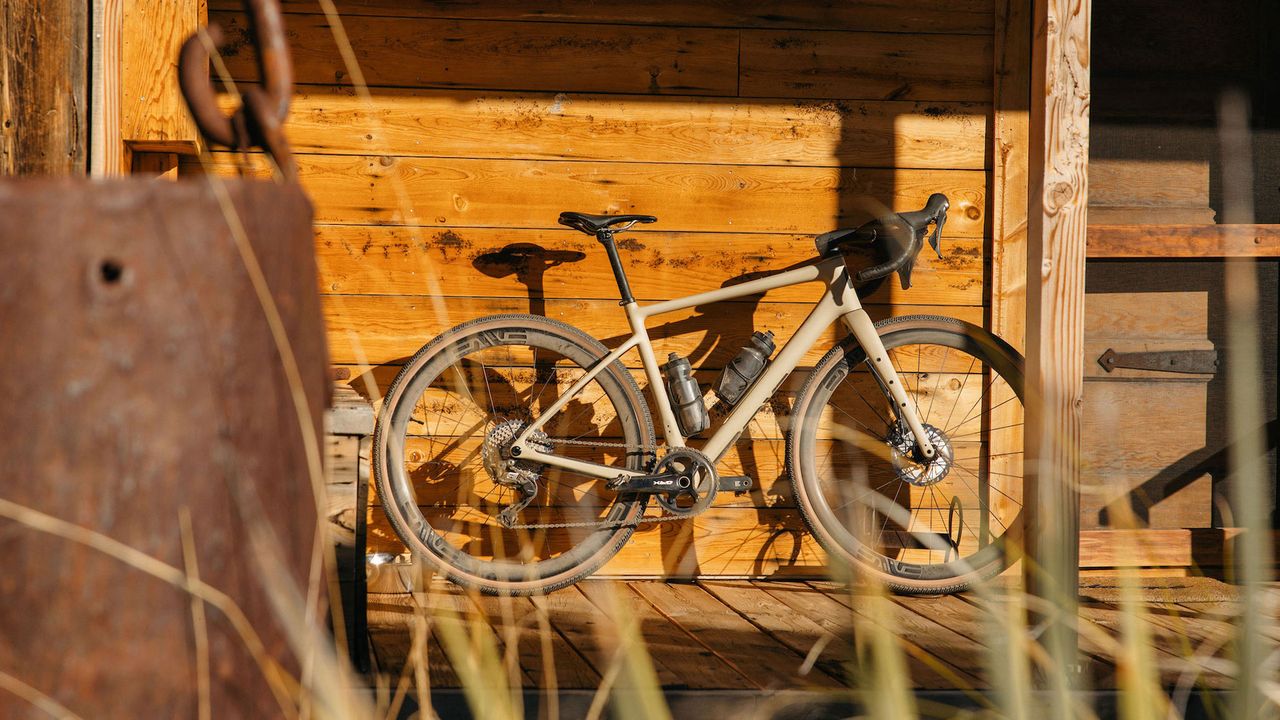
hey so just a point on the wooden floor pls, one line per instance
(779, 635)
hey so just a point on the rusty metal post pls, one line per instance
(141, 381)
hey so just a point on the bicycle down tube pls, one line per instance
(838, 302)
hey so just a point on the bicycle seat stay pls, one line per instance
(594, 224)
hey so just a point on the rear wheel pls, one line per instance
(919, 525)
(446, 479)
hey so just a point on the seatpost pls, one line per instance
(605, 237)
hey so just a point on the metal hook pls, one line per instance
(259, 119)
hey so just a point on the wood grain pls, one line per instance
(1151, 215)
(1182, 241)
(43, 87)
(1148, 182)
(922, 16)
(386, 329)
(1058, 197)
(452, 192)
(423, 52)
(153, 113)
(773, 543)
(634, 128)
(865, 66)
(1010, 156)
(542, 264)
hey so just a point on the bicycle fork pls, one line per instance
(878, 359)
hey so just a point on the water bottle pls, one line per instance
(685, 396)
(745, 368)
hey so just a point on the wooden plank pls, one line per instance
(796, 630)
(1058, 196)
(922, 16)
(758, 657)
(679, 660)
(1182, 241)
(153, 113)
(865, 65)
(640, 128)
(541, 264)
(542, 656)
(773, 543)
(1119, 439)
(1159, 499)
(1184, 315)
(391, 639)
(504, 55)
(838, 618)
(390, 328)
(454, 193)
(582, 626)
(1010, 140)
(1171, 664)
(162, 166)
(1148, 182)
(106, 148)
(43, 87)
(1144, 548)
(1151, 215)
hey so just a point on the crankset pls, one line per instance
(683, 483)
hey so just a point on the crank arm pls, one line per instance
(652, 484)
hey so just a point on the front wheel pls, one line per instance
(918, 525)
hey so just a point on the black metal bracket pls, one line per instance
(1176, 361)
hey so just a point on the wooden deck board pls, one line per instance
(763, 661)
(757, 635)
(678, 658)
(832, 607)
(781, 622)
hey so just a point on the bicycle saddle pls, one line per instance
(593, 224)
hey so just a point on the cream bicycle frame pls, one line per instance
(838, 302)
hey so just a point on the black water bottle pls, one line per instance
(745, 368)
(685, 396)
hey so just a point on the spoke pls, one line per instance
(993, 487)
(988, 410)
(866, 427)
(960, 392)
(938, 385)
(988, 430)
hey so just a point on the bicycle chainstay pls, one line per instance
(602, 524)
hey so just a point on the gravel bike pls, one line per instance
(517, 454)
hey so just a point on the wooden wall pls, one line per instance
(746, 128)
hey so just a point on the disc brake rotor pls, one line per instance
(914, 472)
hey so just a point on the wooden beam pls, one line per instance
(107, 154)
(43, 62)
(1058, 197)
(1009, 139)
(153, 114)
(1183, 241)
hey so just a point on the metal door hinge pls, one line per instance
(1177, 361)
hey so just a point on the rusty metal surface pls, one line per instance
(140, 378)
(259, 121)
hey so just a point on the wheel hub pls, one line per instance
(496, 454)
(911, 468)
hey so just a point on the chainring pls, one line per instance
(701, 472)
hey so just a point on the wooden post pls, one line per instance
(1057, 200)
(43, 58)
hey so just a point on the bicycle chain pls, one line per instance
(651, 449)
